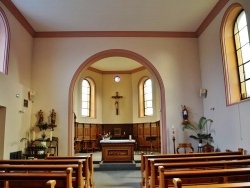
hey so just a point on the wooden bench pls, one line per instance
(194, 165)
(84, 164)
(145, 158)
(194, 176)
(147, 172)
(77, 179)
(36, 179)
(88, 158)
(178, 184)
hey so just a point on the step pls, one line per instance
(116, 166)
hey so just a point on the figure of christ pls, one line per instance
(117, 97)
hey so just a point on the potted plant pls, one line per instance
(202, 130)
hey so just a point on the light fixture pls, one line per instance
(117, 78)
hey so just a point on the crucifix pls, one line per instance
(117, 97)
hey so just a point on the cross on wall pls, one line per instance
(117, 97)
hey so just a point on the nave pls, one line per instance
(115, 178)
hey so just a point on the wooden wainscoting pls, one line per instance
(88, 135)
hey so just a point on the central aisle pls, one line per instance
(117, 179)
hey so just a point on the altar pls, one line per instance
(117, 150)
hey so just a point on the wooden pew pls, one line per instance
(178, 184)
(147, 172)
(90, 164)
(194, 165)
(167, 176)
(145, 158)
(36, 179)
(77, 179)
(84, 164)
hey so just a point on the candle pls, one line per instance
(50, 138)
(124, 133)
(33, 135)
(173, 131)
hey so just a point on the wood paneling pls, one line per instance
(90, 134)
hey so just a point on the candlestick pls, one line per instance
(50, 138)
(33, 135)
(173, 132)
(173, 137)
(174, 144)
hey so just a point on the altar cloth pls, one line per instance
(117, 141)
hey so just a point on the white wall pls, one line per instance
(97, 78)
(231, 123)
(56, 60)
(48, 67)
(18, 81)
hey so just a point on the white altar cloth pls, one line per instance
(117, 141)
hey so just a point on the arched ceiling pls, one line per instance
(116, 64)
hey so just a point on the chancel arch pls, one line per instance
(125, 54)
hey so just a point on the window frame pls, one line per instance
(91, 106)
(229, 59)
(142, 101)
(5, 38)
(238, 49)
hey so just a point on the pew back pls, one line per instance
(193, 166)
(51, 163)
(167, 176)
(90, 165)
(145, 158)
(36, 179)
(178, 184)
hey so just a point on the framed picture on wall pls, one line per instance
(25, 103)
(117, 131)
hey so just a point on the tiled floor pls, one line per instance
(117, 178)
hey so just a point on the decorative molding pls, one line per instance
(18, 15)
(215, 11)
(155, 34)
(116, 72)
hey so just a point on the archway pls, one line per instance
(120, 53)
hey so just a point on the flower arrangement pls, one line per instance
(106, 136)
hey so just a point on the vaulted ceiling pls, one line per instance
(165, 18)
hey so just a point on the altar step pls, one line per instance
(116, 166)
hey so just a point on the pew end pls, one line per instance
(177, 182)
(51, 184)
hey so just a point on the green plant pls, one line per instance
(202, 129)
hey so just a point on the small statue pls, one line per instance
(40, 115)
(53, 117)
(185, 115)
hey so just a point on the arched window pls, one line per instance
(235, 43)
(242, 49)
(4, 42)
(88, 98)
(145, 97)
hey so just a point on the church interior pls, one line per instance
(114, 80)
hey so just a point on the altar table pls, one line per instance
(117, 150)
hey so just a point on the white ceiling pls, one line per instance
(115, 15)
